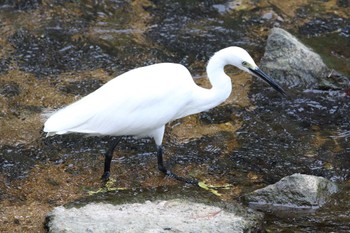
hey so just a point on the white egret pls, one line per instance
(142, 101)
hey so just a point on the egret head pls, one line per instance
(245, 62)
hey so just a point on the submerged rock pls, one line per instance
(293, 64)
(296, 191)
(158, 216)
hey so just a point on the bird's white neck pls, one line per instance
(220, 82)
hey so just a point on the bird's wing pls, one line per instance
(134, 103)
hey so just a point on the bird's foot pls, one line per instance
(105, 176)
(170, 174)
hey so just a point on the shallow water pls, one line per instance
(54, 52)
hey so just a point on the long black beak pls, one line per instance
(259, 73)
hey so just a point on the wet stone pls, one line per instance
(291, 62)
(267, 16)
(158, 216)
(295, 191)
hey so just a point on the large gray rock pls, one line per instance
(160, 216)
(293, 64)
(297, 191)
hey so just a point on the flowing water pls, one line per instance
(54, 52)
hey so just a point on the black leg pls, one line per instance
(160, 160)
(167, 172)
(108, 158)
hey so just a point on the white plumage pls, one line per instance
(140, 102)
(137, 102)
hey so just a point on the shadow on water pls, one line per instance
(57, 51)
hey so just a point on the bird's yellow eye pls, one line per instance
(245, 64)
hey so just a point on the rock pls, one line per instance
(159, 216)
(296, 191)
(292, 63)
(267, 16)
